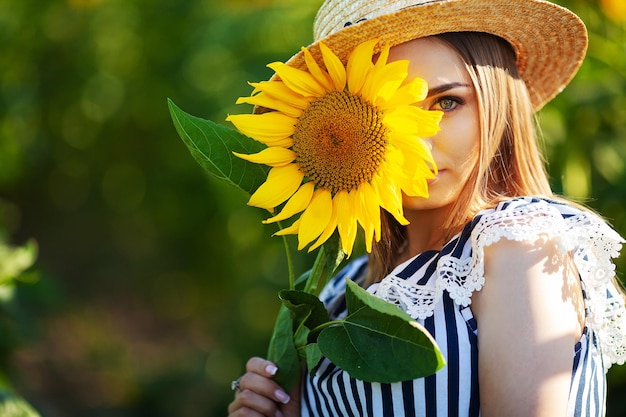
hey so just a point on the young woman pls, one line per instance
(516, 285)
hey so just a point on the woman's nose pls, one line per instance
(429, 142)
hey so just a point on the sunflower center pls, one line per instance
(340, 141)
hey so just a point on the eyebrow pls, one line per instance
(445, 87)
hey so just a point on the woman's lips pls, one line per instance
(433, 180)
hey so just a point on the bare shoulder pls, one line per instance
(530, 315)
(532, 277)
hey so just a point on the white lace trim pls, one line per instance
(590, 240)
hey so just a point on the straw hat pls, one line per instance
(549, 40)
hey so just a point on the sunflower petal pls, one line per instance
(370, 210)
(387, 81)
(346, 220)
(328, 231)
(409, 93)
(299, 81)
(413, 147)
(290, 230)
(266, 100)
(390, 198)
(281, 183)
(359, 65)
(320, 75)
(297, 203)
(279, 90)
(315, 218)
(335, 67)
(413, 120)
(269, 128)
(274, 156)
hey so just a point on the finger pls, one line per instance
(250, 403)
(261, 366)
(260, 384)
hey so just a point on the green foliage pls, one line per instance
(14, 264)
(212, 145)
(402, 339)
(282, 349)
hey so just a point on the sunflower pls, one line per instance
(342, 142)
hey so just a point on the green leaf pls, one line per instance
(378, 342)
(282, 350)
(306, 307)
(212, 146)
(312, 355)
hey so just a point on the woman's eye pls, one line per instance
(446, 103)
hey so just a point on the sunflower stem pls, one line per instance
(292, 279)
(316, 271)
(329, 256)
(316, 330)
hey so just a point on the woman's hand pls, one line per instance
(260, 395)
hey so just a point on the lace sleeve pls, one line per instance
(460, 270)
(593, 245)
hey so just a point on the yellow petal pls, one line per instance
(417, 187)
(279, 90)
(298, 202)
(299, 81)
(381, 61)
(273, 156)
(270, 102)
(384, 79)
(346, 220)
(413, 120)
(315, 218)
(320, 75)
(411, 92)
(387, 81)
(409, 171)
(281, 183)
(328, 231)
(370, 210)
(335, 67)
(359, 65)
(390, 198)
(414, 148)
(269, 128)
(291, 230)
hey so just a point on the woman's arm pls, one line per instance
(259, 395)
(530, 314)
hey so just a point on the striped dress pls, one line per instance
(435, 288)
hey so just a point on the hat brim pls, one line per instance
(550, 41)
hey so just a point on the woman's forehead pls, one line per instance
(433, 60)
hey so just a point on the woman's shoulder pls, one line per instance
(526, 218)
(585, 236)
(589, 239)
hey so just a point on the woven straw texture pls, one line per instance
(550, 41)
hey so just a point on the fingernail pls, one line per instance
(271, 369)
(282, 396)
(278, 414)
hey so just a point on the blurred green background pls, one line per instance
(155, 283)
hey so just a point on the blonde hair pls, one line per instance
(509, 162)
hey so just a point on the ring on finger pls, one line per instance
(235, 385)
